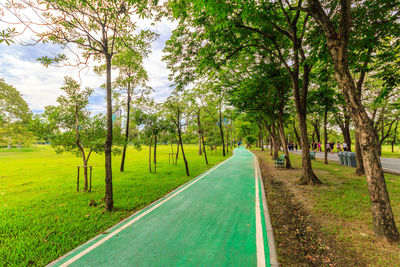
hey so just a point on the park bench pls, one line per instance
(312, 155)
(280, 162)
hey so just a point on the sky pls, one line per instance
(40, 86)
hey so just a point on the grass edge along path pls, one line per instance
(263, 217)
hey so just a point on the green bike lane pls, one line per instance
(216, 219)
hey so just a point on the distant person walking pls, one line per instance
(344, 146)
(332, 145)
(338, 147)
(319, 147)
(328, 147)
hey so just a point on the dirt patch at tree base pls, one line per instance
(299, 238)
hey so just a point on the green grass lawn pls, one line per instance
(387, 151)
(42, 215)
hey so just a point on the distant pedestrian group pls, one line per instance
(339, 147)
(330, 146)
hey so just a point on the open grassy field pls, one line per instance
(42, 215)
(387, 151)
(341, 206)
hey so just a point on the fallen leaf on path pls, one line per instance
(310, 257)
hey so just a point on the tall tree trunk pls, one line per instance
(227, 142)
(308, 176)
(296, 133)
(199, 132)
(360, 165)
(177, 152)
(183, 152)
(128, 107)
(325, 135)
(281, 131)
(204, 148)
(155, 153)
(262, 140)
(151, 142)
(108, 198)
(345, 127)
(337, 44)
(78, 143)
(275, 141)
(222, 132)
(270, 145)
(316, 130)
(394, 136)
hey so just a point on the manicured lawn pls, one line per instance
(42, 215)
(387, 151)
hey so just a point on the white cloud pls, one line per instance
(40, 86)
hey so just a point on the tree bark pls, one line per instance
(345, 127)
(360, 165)
(204, 148)
(128, 106)
(270, 145)
(337, 44)
(155, 153)
(183, 152)
(151, 142)
(177, 152)
(274, 139)
(316, 130)
(308, 175)
(262, 140)
(199, 131)
(394, 136)
(227, 142)
(325, 135)
(221, 132)
(81, 148)
(281, 131)
(108, 198)
(296, 133)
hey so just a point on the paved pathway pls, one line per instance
(217, 219)
(391, 165)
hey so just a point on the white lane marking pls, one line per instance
(95, 245)
(259, 230)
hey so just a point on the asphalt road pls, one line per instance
(390, 165)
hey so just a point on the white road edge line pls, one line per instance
(259, 230)
(160, 202)
(273, 256)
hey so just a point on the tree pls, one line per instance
(97, 28)
(129, 62)
(73, 130)
(197, 99)
(175, 110)
(338, 38)
(230, 28)
(15, 116)
(250, 139)
(149, 116)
